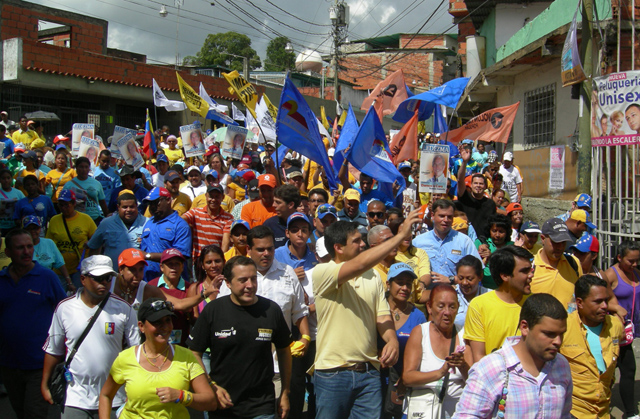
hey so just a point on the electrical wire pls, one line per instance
(299, 18)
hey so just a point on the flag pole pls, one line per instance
(275, 152)
(155, 113)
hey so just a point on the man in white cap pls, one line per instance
(4, 119)
(115, 329)
(512, 178)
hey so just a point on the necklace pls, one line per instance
(127, 295)
(396, 313)
(165, 352)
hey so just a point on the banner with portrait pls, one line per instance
(615, 109)
(233, 144)
(90, 149)
(129, 151)
(434, 168)
(192, 140)
(77, 132)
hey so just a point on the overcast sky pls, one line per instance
(135, 25)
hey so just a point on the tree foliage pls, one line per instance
(278, 59)
(212, 52)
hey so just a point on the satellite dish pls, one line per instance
(309, 60)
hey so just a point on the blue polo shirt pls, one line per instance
(374, 194)
(107, 179)
(444, 254)
(8, 147)
(284, 255)
(278, 226)
(40, 206)
(157, 236)
(26, 310)
(47, 254)
(139, 192)
(114, 236)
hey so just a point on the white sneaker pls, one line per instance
(634, 417)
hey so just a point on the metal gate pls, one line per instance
(615, 184)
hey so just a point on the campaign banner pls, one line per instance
(434, 168)
(615, 109)
(192, 140)
(119, 132)
(90, 149)
(492, 125)
(129, 151)
(572, 72)
(245, 90)
(233, 144)
(556, 167)
(77, 132)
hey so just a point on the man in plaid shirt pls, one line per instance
(536, 378)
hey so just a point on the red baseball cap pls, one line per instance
(59, 138)
(514, 206)
(130, 257)
(170, 254)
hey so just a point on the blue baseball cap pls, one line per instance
(583, 200)
(297, 216)
(530, 227)
(587, 243)
(404, 165)
(213, 173)
(324, 210)
(398, 268)
(237, 223)
(30, 220)
(467, 141)
(162, 157)
(67, 195)
(156, 193)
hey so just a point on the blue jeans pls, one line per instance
(348, 394)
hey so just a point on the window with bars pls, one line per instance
(540, 116)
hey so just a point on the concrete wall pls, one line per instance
(511, 18)
(540, 209)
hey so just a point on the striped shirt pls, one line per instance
(547, 396)
(207, 229)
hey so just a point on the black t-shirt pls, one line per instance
(278, 227)
(478, 211)
(240, 339)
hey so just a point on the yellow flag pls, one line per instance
(245, 91)
(343, 117)
(190, 98)
(273, 110)
(323, 117)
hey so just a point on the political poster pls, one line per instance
(615, 109)
(77, 132)
(129, 151)
(90, 149)
(572, 72)
(434, 168)
(192, 140)
(556, 167)
(233, 144)
(245, 91)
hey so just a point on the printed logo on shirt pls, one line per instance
(264, 335)
(456, 252)
(33, 292)
(39, 206)
(109, 328)
(223, 334)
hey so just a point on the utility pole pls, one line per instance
(339, 16)
(586, 55)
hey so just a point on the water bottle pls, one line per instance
(67, 375)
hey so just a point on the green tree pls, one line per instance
(278, 59)
(212, 52)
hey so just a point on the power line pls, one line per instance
(299, 18)
(281, 22)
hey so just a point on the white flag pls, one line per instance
(212, 103)
(266, 121)
(160, 100)
(237, 115)
(252, 126)
(323, 130)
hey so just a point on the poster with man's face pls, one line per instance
(434, 168)
(615, 109)
(129, 151)
(192, 140)
(233, 144)
(77, 132)
(90, 149)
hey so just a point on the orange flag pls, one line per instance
(492, 125)
(388, 95)
(404, 145)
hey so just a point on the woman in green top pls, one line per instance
(157, 375)
(498, 236)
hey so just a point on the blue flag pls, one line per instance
(448, 94)
(439, 122)
(347, 135)
(370, 153)
(297, 128)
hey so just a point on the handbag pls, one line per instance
(61, 376)
(629, 329)
(425, 402)
(393, 403)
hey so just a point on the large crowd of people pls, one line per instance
(246, 289)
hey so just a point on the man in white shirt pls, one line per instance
(114, 330)
(196, 186)
(512, 179)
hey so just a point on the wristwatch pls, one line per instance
(147, 256)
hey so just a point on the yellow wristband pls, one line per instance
(188, 398)
(307, 337)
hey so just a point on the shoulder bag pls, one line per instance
(61, 376)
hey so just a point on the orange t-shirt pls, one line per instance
(255, 213)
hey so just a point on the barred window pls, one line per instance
(540, 116)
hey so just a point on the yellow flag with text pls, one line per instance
(245, 91)
(190, 98)
(273, 110)
(323, 118)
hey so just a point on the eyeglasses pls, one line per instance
(327, 209)
(102, 278)
(161, 305)
(379, 214)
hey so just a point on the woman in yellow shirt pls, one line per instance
(157, 375)
(59, 176)
(173, 153)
